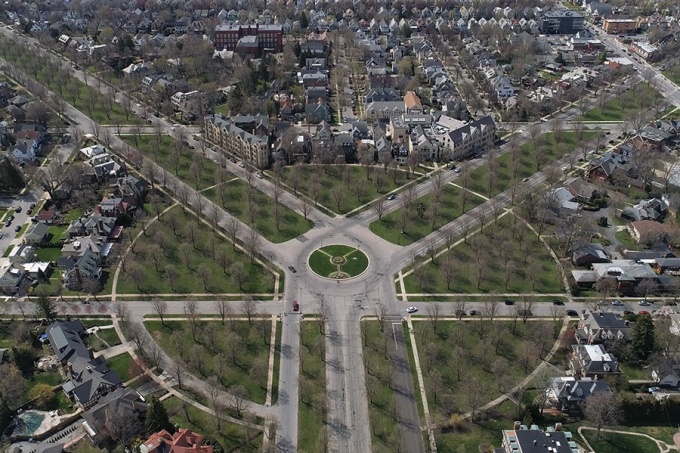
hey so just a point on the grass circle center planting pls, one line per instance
(338, 262)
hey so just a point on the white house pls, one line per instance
(92, 151)
(25, 151)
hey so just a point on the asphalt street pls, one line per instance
(344, 302)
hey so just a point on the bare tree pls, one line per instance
(249, 308)
(603, 409)
(161, 307)
(223, 309)
(238, 398)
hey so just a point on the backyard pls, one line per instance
(312, 433)
(343, 188)
(234, 354)
(180, 255)
(506, 257)
(405, 229)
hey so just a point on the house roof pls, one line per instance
(537, 441)
(64, 337)
(122, 402)
(183, 441)
(411, 100)
(571, 389)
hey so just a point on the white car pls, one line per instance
(617, 303)
(411, 310)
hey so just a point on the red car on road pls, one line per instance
(296, 306)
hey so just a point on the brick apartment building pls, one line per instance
(252, 39)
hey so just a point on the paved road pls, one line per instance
(345, 303)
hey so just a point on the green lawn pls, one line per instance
(107, 335)
(381, 405)
(343, 188)
(673, 74)
(417, 227)
(626, 240)
(235, 197)
(461, 362)
(176, 159)
(491, 184)
(312, 434)
(230, 438)
(58, 233)
(237, 353)
(122, 365)
(8, 250)
(619, 443)
(226, 270)
(356, 261)
(507, 252)
(622, 107)
(75, 92)
(48, 253)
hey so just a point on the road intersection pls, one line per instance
(345, 302)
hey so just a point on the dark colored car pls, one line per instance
(509, 302)
(296, 306)
(572, 313)
(17, 228)
(460, 313)
(292, 269)
(17, 209)
(628, 312)
(474, 312)
(557, 302)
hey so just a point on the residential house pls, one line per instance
(652, 209)
(419, 142)
(665, 374)
(569, 394)
(644, 49)
(317, 112)
(91, 151)
(78, 269)
(592, 360)
(183, 441)
(94, 224)
(586, 254)
(37, 233)
(601, 327)
(360, 130)
(89, 380)
(13, 279)
(384, 110)
(65, 339)
(48, 217)
(521, 439)
(25, 151)
(649, 231)
(626, 273)
(130, 186)
(115, 207)
(412, 103)
(97, 245)
(21, 254)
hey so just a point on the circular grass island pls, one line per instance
(338, 262)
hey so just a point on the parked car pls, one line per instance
(572, 313)
(411, 310)
(557, 302)
(258, 175)
(617, 303)
(671, 303)
(654, 389)
(644, 303)
(460, 313)
(17, 228)
(8, 223)
(474, 312)
(292, 269)
(296, 306)
(628, 312)
(643, 312)
(392, 197)
(509, 302)
(17, 209)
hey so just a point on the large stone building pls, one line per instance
(475, 136)
(250, 145)
(253, 39)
